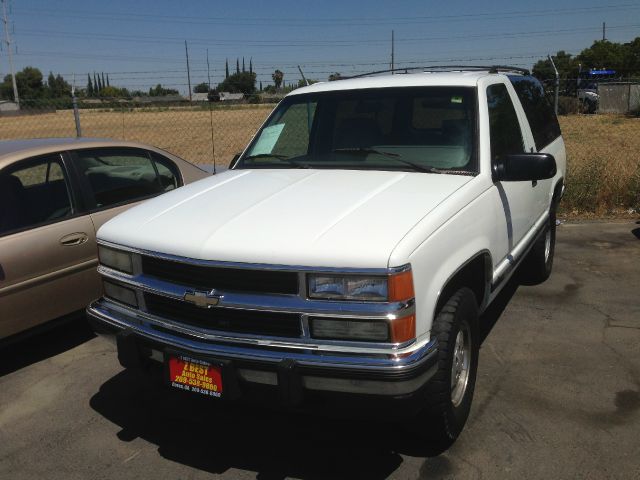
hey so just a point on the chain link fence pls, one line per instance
(602, 150)
(205, 132)
(593, 96)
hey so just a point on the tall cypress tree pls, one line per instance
(251, 65)
(89, 86)
(96, 89)
(103, 84)
(99, 85)
(108, 80)
(226, 68)
(243, 70)
(260, 85)
(237, 65)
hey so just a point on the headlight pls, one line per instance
(341, 287)
(388, 288)
(116, 259)
(120, 293)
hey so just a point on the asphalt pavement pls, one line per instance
(558, 396)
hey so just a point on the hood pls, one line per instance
(328, 218)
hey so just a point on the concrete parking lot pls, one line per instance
(558, 396)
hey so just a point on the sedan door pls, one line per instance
(47, 245)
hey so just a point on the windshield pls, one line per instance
(426, 129)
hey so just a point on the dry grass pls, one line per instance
(185, 132)
(603, 150)
(603, 163)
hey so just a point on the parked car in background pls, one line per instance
(54, 195)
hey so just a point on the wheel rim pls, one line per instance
(547, 246)
(461, 365)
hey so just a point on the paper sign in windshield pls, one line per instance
(267, 140)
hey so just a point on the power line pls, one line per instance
(313, 43)
(320, 22)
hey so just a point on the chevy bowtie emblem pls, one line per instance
(202, 299)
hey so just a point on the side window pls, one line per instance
(505, 133)
(538, 109)
(117, 176)
(167, 172)
(32, 193)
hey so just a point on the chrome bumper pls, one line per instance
(261, 361)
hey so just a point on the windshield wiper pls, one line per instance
(394, 156)
(279, 156)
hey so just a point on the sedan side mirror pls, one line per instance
(519, 167)
(235, 159)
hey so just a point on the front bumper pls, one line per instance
(291, 371)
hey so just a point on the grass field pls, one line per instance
(603, 151)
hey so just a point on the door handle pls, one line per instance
(72, 239)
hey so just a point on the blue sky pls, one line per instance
(142, 43)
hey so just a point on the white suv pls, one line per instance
(350, 249)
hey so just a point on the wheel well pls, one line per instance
(475, 274)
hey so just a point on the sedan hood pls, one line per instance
(327, 218)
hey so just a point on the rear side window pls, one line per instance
(505, 133)
(34, 193)
(118, 176)
(538, 108)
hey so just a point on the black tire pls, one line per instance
(537, 266)
(445, 416)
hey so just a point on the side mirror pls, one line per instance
(235, 159)
(520, 167)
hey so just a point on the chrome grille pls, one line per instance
(221, 278)
(253, 322)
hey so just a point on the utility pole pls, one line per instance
(186, 51)
(208, 71)
(7, 40)
(604, 31)
(392, 52)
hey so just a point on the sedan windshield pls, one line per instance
(424, 129)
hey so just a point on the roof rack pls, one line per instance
(446, 68)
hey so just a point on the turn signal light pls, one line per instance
(401, 286)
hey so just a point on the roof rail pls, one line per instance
(446, 68)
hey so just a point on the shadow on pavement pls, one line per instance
(47, 341)
(215, 436)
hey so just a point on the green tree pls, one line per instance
(89, 86)
(243, 82)
(566, 64)
(160, 91)
(96, 87)
(277, 77)
(29, 82)
(243, 70)
(111, 91)
(201, 88)
(226, 68)
(603, 54)
(57, 86)
(237, 65)
(251, 65)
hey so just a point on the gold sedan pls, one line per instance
(54, 196)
